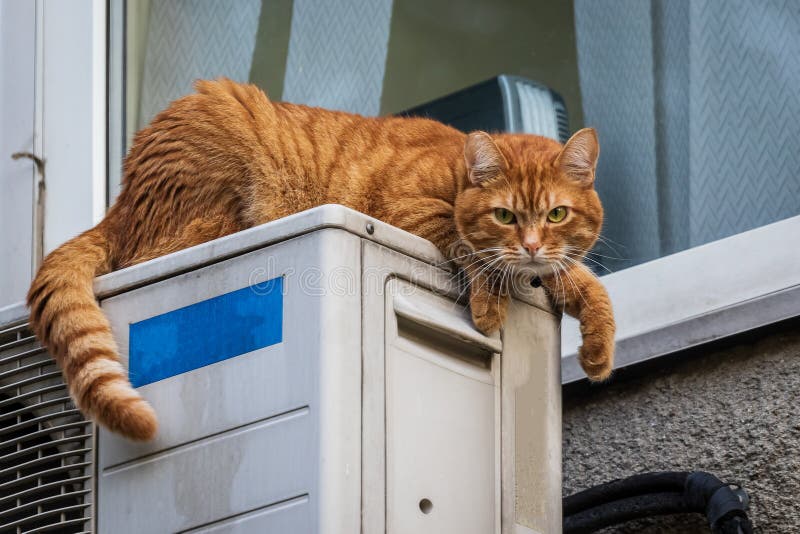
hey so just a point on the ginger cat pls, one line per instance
(227, 158)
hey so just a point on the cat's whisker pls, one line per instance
(468, 255)
(482, 260)
(563, 296)
(609, 271)
(467, 286)
(464, 287)
(553, 291)
(482, 251)
(500, 288)
(478, 260)
(578, 259)
(486, 268)
(585, 254)
(562, 277)
(608, 242)
(589, 253)
(503, 276)
(606, 256)
(506, 278)
(600, 236)
(460, 294)
(574, 285)
(563, 285)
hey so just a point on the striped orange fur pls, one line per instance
(226, 158)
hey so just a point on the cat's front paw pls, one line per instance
(488, 312)
(596, 356)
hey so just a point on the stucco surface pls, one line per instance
(732, 411)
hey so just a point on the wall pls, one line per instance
(731, 411)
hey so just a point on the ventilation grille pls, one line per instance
(45, 444)
(536, 109)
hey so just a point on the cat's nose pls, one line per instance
(532, 246)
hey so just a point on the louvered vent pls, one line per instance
(541, 110)
(45, 444)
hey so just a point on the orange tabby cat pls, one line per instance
(226, 158)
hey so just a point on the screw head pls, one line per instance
(370, 228)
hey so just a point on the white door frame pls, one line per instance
(18, 171)
(73, 105)
(54, 112)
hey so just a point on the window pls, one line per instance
(694, 102)
(368, 57)
(697, 112)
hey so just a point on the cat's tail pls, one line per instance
(67, 319)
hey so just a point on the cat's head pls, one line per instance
(530, 202)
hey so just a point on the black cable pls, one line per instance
(625, 487)
(654, 494)
(622, 510)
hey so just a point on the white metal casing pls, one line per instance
(379, 395)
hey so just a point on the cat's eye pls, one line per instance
(504, 216)
(557, 215)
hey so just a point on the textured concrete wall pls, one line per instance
(732, 411)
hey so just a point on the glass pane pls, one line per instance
(696, 106)
(173, 43)
(694, 101)
(365, 56)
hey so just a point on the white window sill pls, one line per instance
(699, 295)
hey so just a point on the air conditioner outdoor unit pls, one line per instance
(318, 374)
(505, 103)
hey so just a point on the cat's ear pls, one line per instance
(578, 158)
(484, 159)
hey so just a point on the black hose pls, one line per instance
(626, 487)
(655, 494)
(627, 509)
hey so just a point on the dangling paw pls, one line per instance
(596, 356)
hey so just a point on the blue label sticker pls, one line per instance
(206, 332)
